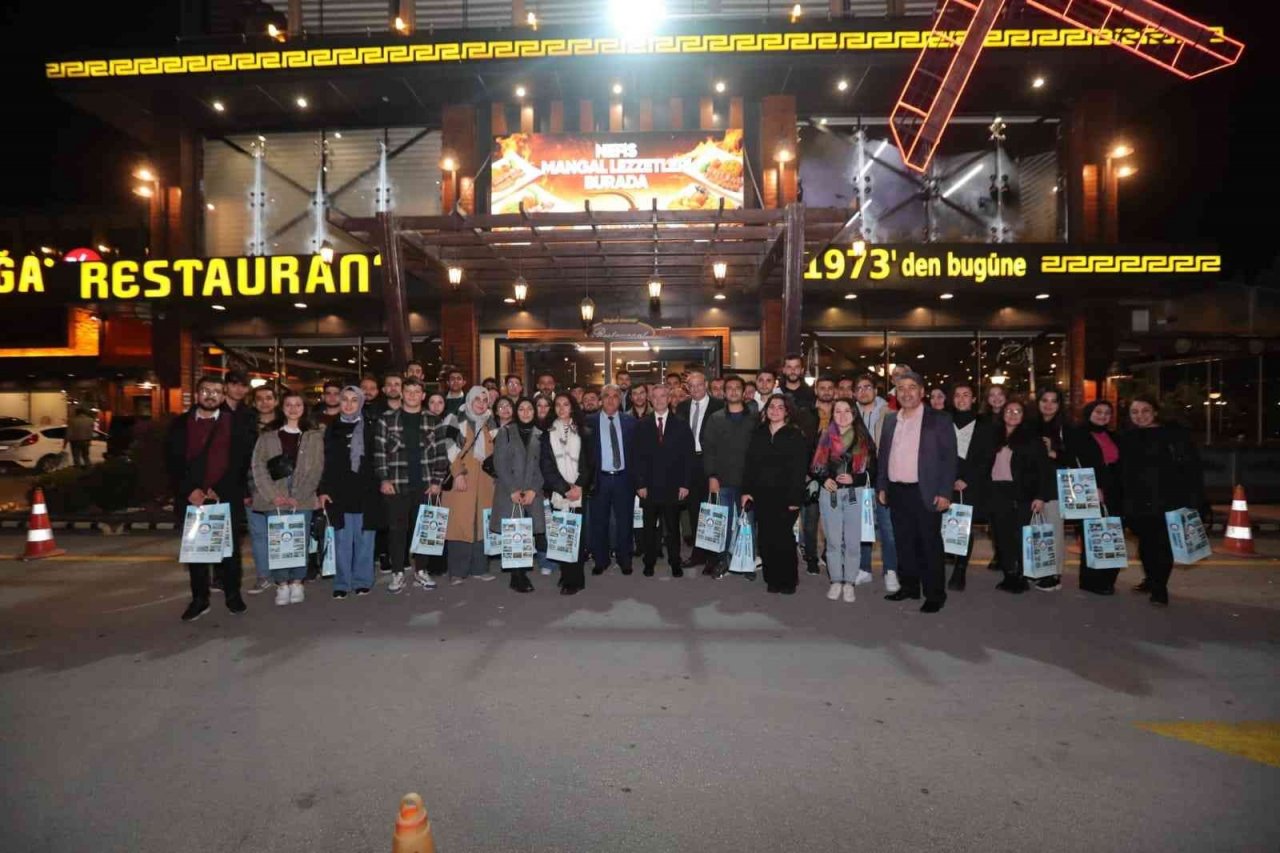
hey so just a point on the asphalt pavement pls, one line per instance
(641, 715)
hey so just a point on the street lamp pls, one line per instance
(521, 290)
(588, 310)
(455, 276)
(720, 270)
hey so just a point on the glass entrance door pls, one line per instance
(595, 362)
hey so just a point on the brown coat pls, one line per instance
(465, 508)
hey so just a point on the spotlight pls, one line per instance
(1125, 171)
(720, 87)
(851, 296)
(143, 173)
(275, 32)
(219, 107)
(301, 102)
(532, 20)
(520, 91)
(946, 296)
(796, 11)
(209, 206)
(617, 88)
(1037, 83)
(636, 18)
(859, 248)
(842, 85)
(1121, 150)
(401, 25)
(299, 305)
(1042, 296)
(143, 191)
(217, 307)
(326, 252)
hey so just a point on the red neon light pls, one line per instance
(941, 72)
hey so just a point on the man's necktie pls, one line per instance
(613, 435)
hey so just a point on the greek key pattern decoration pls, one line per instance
(480, 51)
(1130, 264)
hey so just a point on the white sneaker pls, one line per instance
(397, 583)
(833, 592)
(296, 595)
(864, 577)
(891, 584)
(485, 577)
(457, 581)
(282, 594)
(424, 580)
(546, 571)
(849, 595)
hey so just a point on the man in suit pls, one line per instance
(612, 449)
(664, 468)
(694, 412)
(916, 478)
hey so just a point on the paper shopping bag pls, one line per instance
(206, 534)
(429, 530)
(1078, 493)
(517, 541)
(713, 526)
(957, 527)
(1039, 551)
(1104, 545)
(1187, 536)
(564, 536)
(867, 501)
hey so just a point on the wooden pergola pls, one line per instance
(763, 250)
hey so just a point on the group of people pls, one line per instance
(796, 455)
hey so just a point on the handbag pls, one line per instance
(280, 467)
(447, 484)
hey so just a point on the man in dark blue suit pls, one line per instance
(916, 478)
(612, 447)
(664, 470)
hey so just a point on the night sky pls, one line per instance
(1207, 169)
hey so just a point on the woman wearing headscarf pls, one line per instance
(518, 480)
(349, 494)
(1095, 427)
(844, 461)
(567, 475)
(472, 490)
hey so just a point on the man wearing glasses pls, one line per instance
(873, 409)
(207, 456)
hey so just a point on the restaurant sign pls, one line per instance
(193, 279)
(979, 263)
(556, 173)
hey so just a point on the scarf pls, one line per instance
(963, 419)
(525, 430)
(357, 432)
(478, 423)
(832, 448)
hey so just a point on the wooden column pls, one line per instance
(615, 116)
(526, 118)
(556, 118)
(1076, 344)
(408, 12)
(706, 114)
(778, 133)
(793, 278)
(675, 117)
(459, 142)
(644, 120)
(1091, 131)
(586, 117)
(460, 336)
(771, 331)
(1089, 203)
(395, 299)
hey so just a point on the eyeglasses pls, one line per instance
(210, 392)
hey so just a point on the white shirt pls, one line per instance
(964, 435)
(697, 411)
(606, 443)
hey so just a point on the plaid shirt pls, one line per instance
(391, 457)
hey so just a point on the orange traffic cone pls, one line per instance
(39, 534)
(1239, 539)
(413, 828)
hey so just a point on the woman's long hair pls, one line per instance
(1021, 434)
(790, 409)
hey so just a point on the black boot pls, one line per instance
(520, 581)
(957, 575)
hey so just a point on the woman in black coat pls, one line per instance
(348, 493)
(567, 475)
(774, 481)
(1100, 445)
(1020, 485)
(1159, 471)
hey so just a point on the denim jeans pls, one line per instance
(354, 555)
(258, 542)
(258, 536)
(730, 496)
(884, 535)
(842, 525)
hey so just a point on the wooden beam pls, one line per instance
(793, 278)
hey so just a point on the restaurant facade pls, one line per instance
(332, 189)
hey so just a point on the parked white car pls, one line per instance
(40, 448)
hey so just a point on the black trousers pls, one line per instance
(1008, 516)
(777, 543)
(228, 572)
(1153, 549)
(402, 514)
(1095, 580)
(917, 533)
(698, 492)
(668, 515)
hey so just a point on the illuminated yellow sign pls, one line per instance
(400, 53)
(978, 264)
(225, 277)
(195, 278)
(25, 275)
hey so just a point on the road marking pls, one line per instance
(1255, 741)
